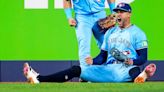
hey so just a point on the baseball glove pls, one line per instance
(118, 55)
(107, 22)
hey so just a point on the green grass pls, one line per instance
(83, 87)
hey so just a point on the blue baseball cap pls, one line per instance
(123, 7)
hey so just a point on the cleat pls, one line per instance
(147, 73)
(30, 74)
(139, 80)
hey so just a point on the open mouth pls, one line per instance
(118, 19)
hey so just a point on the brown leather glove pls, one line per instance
(107, 22)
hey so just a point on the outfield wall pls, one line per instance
(33, 30)
(12, 71)
(44, 33)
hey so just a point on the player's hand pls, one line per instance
(89, 60)
(129, 61)
(72, 22)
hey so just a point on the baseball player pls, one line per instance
(87, 12)
(124, 48)
(128, 39)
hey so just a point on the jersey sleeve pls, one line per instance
(140, 40)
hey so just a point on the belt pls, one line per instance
(113, 62)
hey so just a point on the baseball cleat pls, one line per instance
(30, 74)
(147, 73)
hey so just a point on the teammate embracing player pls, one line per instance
(127, 38)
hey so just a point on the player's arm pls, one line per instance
(99, 59)
(68, 11)
(142, 57)
(111, 4)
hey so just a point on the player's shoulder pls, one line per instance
(111, 30)
(135, 29)
(114, 29)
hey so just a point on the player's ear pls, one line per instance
(129, 14)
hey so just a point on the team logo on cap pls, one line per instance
(121, 5)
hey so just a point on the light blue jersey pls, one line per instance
(88, 6)
(127, 40)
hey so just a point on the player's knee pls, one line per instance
(95, 27)
(134, 72)
(76, 70)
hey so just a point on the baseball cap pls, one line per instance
(123, 6)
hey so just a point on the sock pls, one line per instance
(62, 76)
(134, 72)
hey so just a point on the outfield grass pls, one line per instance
(83, 87)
